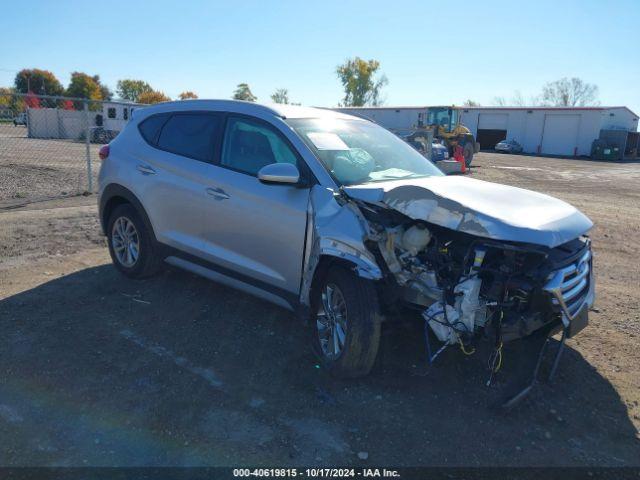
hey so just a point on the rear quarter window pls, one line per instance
(150, 128)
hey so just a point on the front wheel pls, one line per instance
(468, 154)
(346, 326)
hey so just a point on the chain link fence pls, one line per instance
(49, 158)
(49, 145)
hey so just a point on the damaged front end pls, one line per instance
(472, 273)
(468, 287)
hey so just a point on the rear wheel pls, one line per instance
(468, 153)
(131, 245)
(346, 326)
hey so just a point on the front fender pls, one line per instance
(365, 267)
(335, 228)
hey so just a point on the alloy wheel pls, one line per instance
(125, 242)
(331, 321)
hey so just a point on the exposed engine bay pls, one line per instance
(467, 285)
(469, 288)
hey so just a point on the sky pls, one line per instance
(431, 52)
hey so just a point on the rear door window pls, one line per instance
(190, 135)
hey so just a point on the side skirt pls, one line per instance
(232, 279)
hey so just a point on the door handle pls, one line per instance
(146, 170)
(217, 193)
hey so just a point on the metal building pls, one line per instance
(549, 130)
(567, 131)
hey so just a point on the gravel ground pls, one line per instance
(176, 370)
(35, 169)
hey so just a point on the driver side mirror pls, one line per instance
(283, 173)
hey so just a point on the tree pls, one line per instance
(243, 92)
(569, 92)
(358, 78)
(32, 101)
(281, 95)
(132, 89)
(153, 97)
(9, 102)
(499, 101)
(187, 94)
(105, 92)
(40, 82)
(6, 96)
(518, 100)
(471, 103)
(83, 86)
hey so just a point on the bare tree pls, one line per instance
(471, 103)
(569, 92)
(499, 101)
(517, 99)
(281, 95)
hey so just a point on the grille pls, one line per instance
(571, 284)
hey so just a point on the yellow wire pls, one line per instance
(499, 350)
(471, 352)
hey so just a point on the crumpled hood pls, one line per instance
(485, 209)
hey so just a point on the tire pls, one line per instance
(362, 320)
(468, 153)
(147, 262)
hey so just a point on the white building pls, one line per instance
(104, 121)
(547, 130)
(116, 114)
(540, 130)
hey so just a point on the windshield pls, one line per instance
(357, 151)
(444, 117)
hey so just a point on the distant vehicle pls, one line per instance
(438, 151)
(21, 119)
(508, 146)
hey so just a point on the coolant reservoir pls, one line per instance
(415, 239)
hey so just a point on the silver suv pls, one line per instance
(338, 219)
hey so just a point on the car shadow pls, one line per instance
(98, 369)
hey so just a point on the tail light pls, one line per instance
(104, 152)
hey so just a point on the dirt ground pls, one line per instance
(99, 370)
(35, 169)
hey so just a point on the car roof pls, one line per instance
(237, 106)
